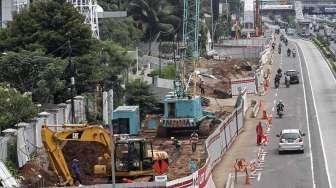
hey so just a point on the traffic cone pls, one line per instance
(247, 179)
(270, 117)
(264, 115)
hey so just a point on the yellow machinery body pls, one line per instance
(145, 155)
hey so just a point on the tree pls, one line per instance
(33, 72)
(15, 107)
(123, 31)
(47, 25)
(157, 19)
(138, 93)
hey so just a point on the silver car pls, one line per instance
(291, 140)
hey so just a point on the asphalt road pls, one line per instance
(323, 86)
(296, 170)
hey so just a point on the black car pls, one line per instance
(293, 75)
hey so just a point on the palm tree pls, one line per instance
(158, 19)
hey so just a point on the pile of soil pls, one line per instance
(35, 176)
(224, 71)
(87, 153)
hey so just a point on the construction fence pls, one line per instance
(216, 145)
(29, 134)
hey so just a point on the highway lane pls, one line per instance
(323, 87)
(290, 170)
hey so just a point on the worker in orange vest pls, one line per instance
(260, 132)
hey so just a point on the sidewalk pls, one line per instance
(244, 147)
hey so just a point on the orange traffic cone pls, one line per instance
(264, 115)
(247, 179)
(270, 119)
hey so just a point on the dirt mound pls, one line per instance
(35, 176)
(87, 153)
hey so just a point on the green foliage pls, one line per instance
(101, 66)
(12, 168)
(44, 25)
(14, 107)
(123, 31)
(34, 72)
(158, 19)
(138, 93)
(167, 72)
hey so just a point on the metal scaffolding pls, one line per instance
(191, 11)
(89, 9)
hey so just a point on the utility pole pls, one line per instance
(110, 118)
(212, 24)
(72, 80)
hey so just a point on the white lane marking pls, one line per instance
(276, 94)
(259, 176)
(306, 111)
(272, 109)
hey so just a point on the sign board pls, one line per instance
(161, 178)
(277, 7)
(238, 84)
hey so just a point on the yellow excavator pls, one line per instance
(134, 157)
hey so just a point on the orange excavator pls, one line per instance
(134, 157)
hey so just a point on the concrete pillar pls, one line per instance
(79, 109)
(41, 120)
(62, 113)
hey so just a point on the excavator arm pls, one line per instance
(55, 141)
(56, 156)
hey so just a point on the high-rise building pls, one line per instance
(9, 8)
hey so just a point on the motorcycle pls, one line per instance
(279, 50)
(287, 83)
(288, 52)
(277, 81)
(294, 54)
(280, 112)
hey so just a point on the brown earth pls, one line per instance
(87, 153)
(35, 176)
(224, 71)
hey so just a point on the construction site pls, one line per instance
(160, 144)
(164, 147)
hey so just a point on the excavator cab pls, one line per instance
(133, 155)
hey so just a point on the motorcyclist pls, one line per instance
(280, 106)
(287, 79)
(277, 80)
(293, 52)
(279, 72)
(288, 52)
(273, 45)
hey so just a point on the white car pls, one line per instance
(291, 140)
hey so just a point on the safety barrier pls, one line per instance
(216, 145)
(238, 84)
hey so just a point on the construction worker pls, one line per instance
(201, 86)
(75, 170)
(176, 143)
(193, 141)
(260, 132)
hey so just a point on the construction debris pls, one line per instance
(34, 175)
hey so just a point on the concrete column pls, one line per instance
(41, 120)
(78, 108)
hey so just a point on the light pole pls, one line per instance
(72, 79)
(110, 118)
(212, 25)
